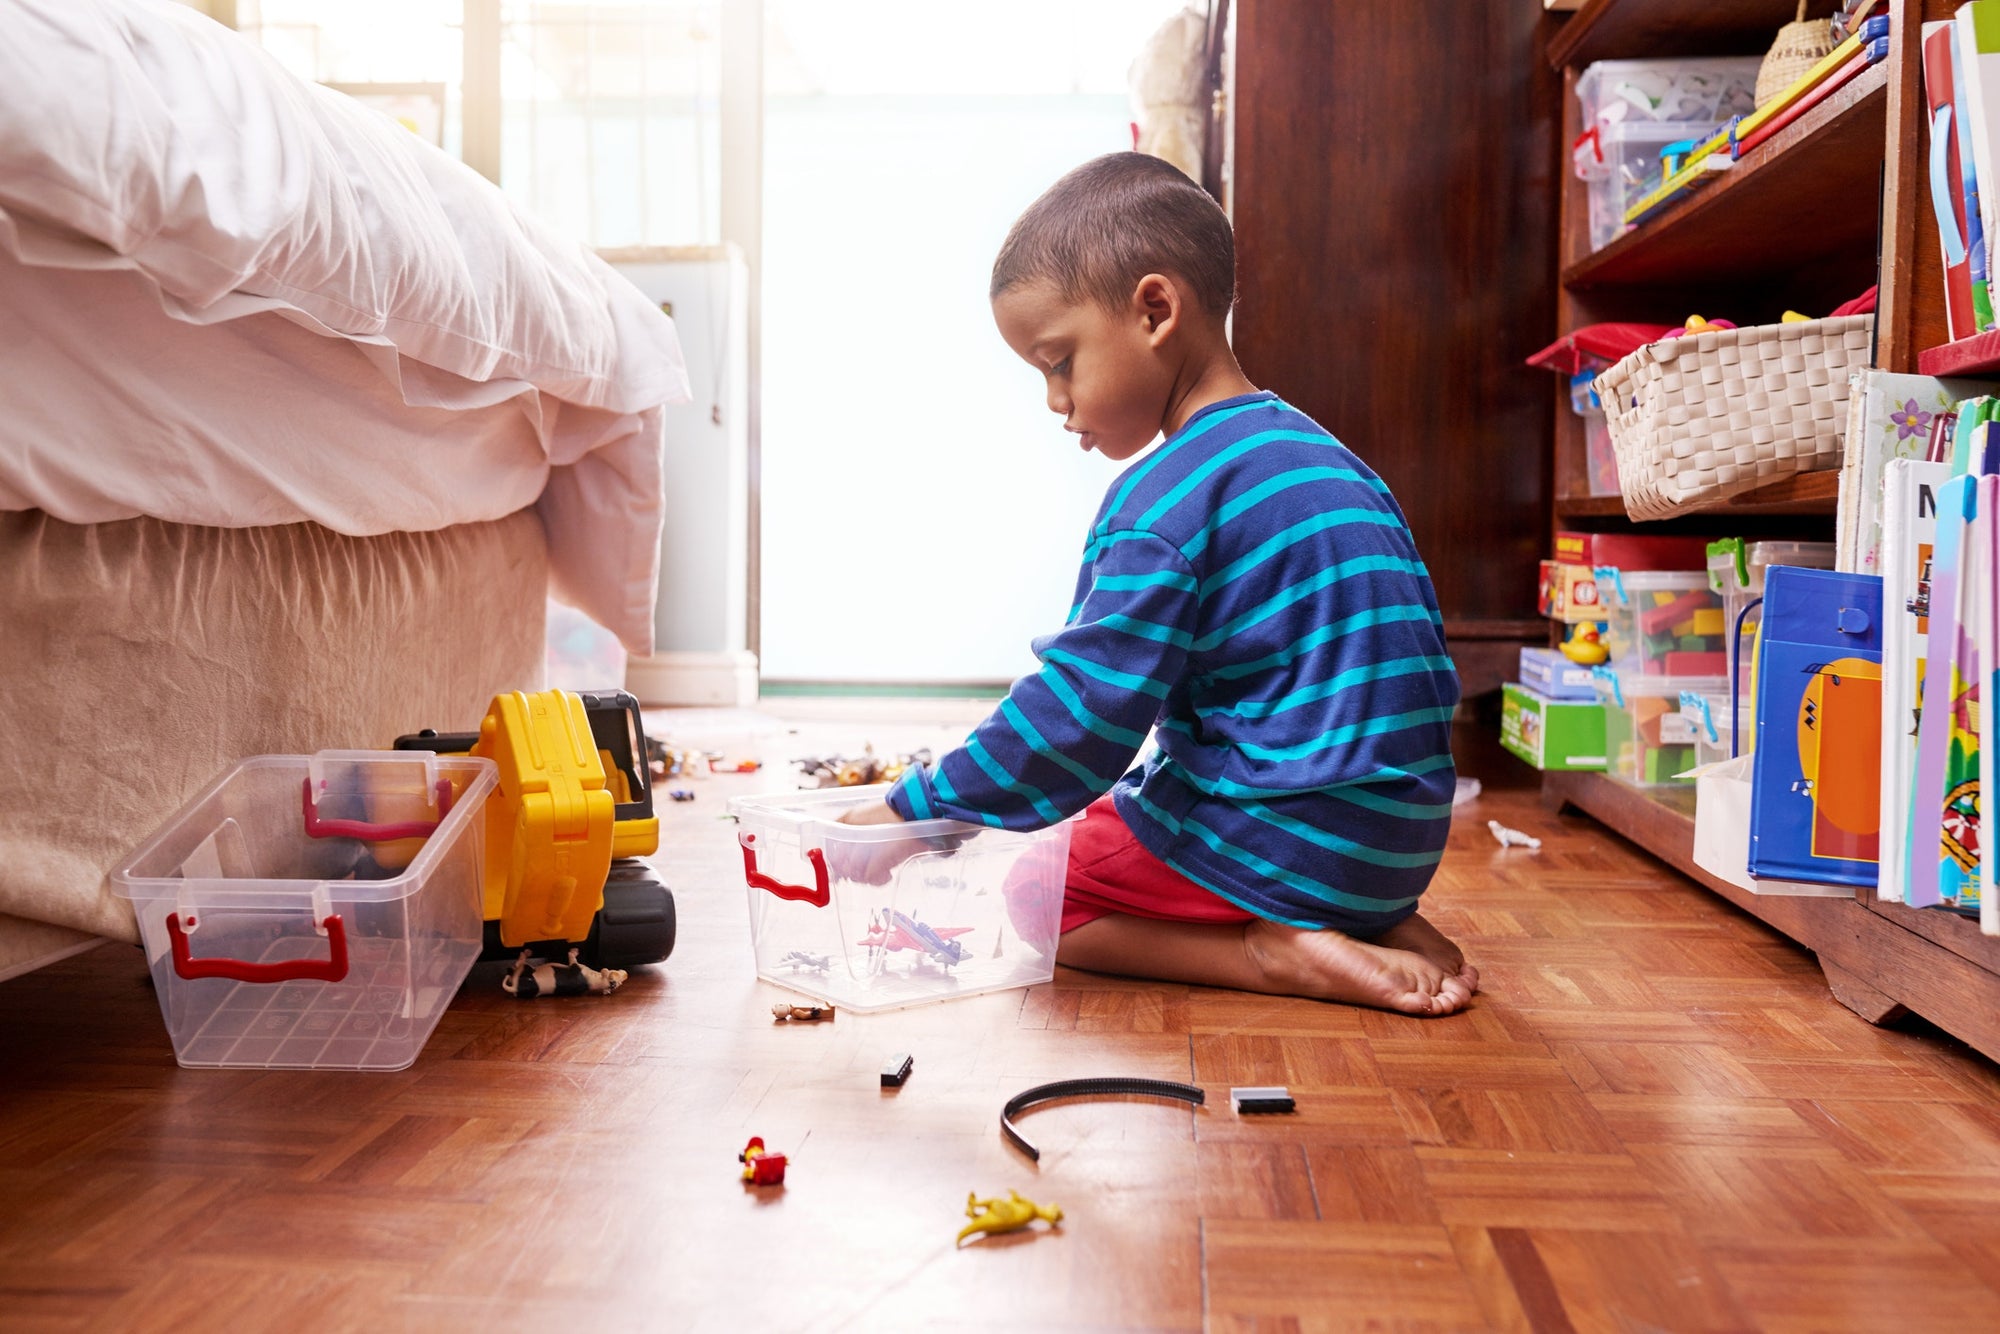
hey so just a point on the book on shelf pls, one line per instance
(1909, 528)
(1891, 416)
(1947, 180)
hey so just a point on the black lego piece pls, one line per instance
(896, 1069)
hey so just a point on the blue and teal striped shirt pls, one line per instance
(1251, 591)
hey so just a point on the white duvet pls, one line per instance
(233, 299)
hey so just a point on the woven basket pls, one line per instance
(1800, 45)
(1710, 415)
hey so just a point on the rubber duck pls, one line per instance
(1008, 1215)
(1585, 646)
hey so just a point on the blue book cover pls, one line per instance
(1815, 788)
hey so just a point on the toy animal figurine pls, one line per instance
(1585, 646)
(761, 1167)
(1513, 838)
(1008, 1215)
(805, 1014)
(559, 979)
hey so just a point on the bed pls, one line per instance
(303, 424)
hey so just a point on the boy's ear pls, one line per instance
(1156, 302)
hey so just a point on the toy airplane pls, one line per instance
(903, 932)
(819, 963)
(1008, 1215)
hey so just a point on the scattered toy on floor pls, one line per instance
(1008, 1215)
(856, 770)
(717, 764)
(681, 793)
(1116, 1087)
(893, 930)
(805, 1014)
(1513, 838)
(896, 1069)
(1269, 1098)
(559, 979)
(819, 963)
(761, 1167)
(665, 761)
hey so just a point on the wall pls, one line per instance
(1395, 222)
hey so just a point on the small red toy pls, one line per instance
(761, 1167)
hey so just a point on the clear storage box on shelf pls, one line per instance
(1736, 571)
(1648, 741)
(315, 912)
(1631, 110)
(1662, 622)
(1707, 713)
(1701, 88)
(878, 917)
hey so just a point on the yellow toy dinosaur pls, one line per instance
(1007, 1215)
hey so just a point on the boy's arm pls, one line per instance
(1068, 732)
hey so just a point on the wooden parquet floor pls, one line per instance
(1653, 1117)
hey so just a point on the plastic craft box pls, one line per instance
(273, 946)
(1736, 571)
(1633, 109)
(1648, 741)
(1552, 734)
(973, 910)
(1547, 672)
(1663, 622)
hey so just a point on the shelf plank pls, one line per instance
(1801, 493)
(1805, 196)
(1617, 29)
(1977, 355)
(1958, 993)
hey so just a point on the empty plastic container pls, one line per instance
(959, 909)
(315, 912)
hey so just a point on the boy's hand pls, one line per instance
(873, 863)
(879, 812)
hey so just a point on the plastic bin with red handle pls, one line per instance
(314, 912)
(878, 917)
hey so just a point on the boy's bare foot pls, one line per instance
(1410, 968)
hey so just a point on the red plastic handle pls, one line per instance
(332, 969)
(372, 833)
(756, 879)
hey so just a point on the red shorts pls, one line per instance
(1110, 871)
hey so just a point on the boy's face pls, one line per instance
(1103, 367)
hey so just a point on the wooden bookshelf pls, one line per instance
(1834, 201)
(1629, 29)
(1880, 958)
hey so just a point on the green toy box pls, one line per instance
(1549, 733)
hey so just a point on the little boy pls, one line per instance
(1250, 590)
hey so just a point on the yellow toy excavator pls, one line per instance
(567, 827)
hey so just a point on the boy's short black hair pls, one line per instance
(1096, 232)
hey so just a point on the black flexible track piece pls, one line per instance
(1089, 1088)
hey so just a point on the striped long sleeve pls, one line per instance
(1251, 593)
(1064, 735)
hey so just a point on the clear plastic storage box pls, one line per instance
(1736, 571)
(1648, 741)
(1634, 109)
(1707, 713)
(315, 912)
(969, 910)
(1663, 622)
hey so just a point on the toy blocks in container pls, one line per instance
(1648, 741)
(880, 917)
(1663, 623)
(315, 912)
(1552, 734)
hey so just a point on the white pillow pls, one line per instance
(138, 133)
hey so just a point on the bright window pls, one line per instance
(923, 511)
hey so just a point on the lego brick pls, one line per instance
(1706, 662)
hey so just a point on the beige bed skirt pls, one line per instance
(140, 659)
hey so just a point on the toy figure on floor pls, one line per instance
(559, 979)
(1008, 1215)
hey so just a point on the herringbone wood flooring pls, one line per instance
(1654, 1117)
